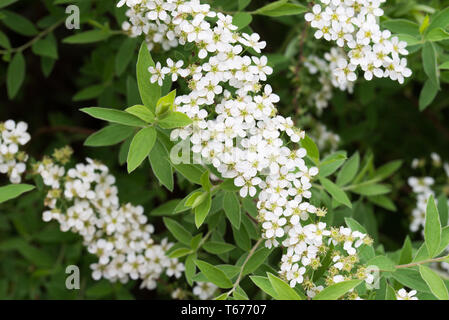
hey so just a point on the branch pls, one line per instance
(414, 264)
(34, 40)
(253, 249)
(69, 129)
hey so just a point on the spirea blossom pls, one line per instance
(84, 200)
(236, 126)
(425, 186)
(402, 294)
(13, 161)
(326, 69)
(353, 25)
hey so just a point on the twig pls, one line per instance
(253, 249)
(34, 40)
(69, 129)
(414, 264)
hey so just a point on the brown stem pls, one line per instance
(414, 264)
(250, 254)
(35, 39)
(69, 129)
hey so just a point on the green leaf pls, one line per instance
(243, 4)
(354, 225)
(232, 209)
(167, 208)
(402, 26)
(281, 8)
(383, 202)
(115, 116)
(429, 60)
(190, 268)
(15, 75)
(13, 191)
(445, 65)
(337, 290)
(35, 256)
(331, 163)
(241, 20)
(387, 169)
(349, 170)
(437, 34)
(205, 181)
(160, 164)
(371, 189)
(195, 242)
(124, 55)
(175, 120)
(140, 147)
(434, 282)
(216, 247)
(406, 252)
(312, 149)
(202, 210)
(241, 238)
(88, 93)
(424, 25)
(444, 240)
(195, 198)
(410, 278)
(5, 3)
(178, 231)
(282, 289)
(256, 260)
(383, 263)
(149, 92)
(265, 285)
(4, 41)
(336, 192)
(141, 112)
(190, 172)
(46, 47)
(165, 103)
(19, 23)
(432, 228)
(180, 252)
(390, 293)
(87, 37)
(428, 93)
(443, 209)
(214, 275)
(100, 289)
(411, 40)
(439, 20)
(109, 135)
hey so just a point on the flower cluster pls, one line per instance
(402, 294)
(352, 24)
(309, 245)
(84, 200)
(326, 69)
(204, 290)
(325, 140)
(235, 123)
(425, 186)
(433, 183)
(12, 160)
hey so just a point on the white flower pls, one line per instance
(402, 294)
